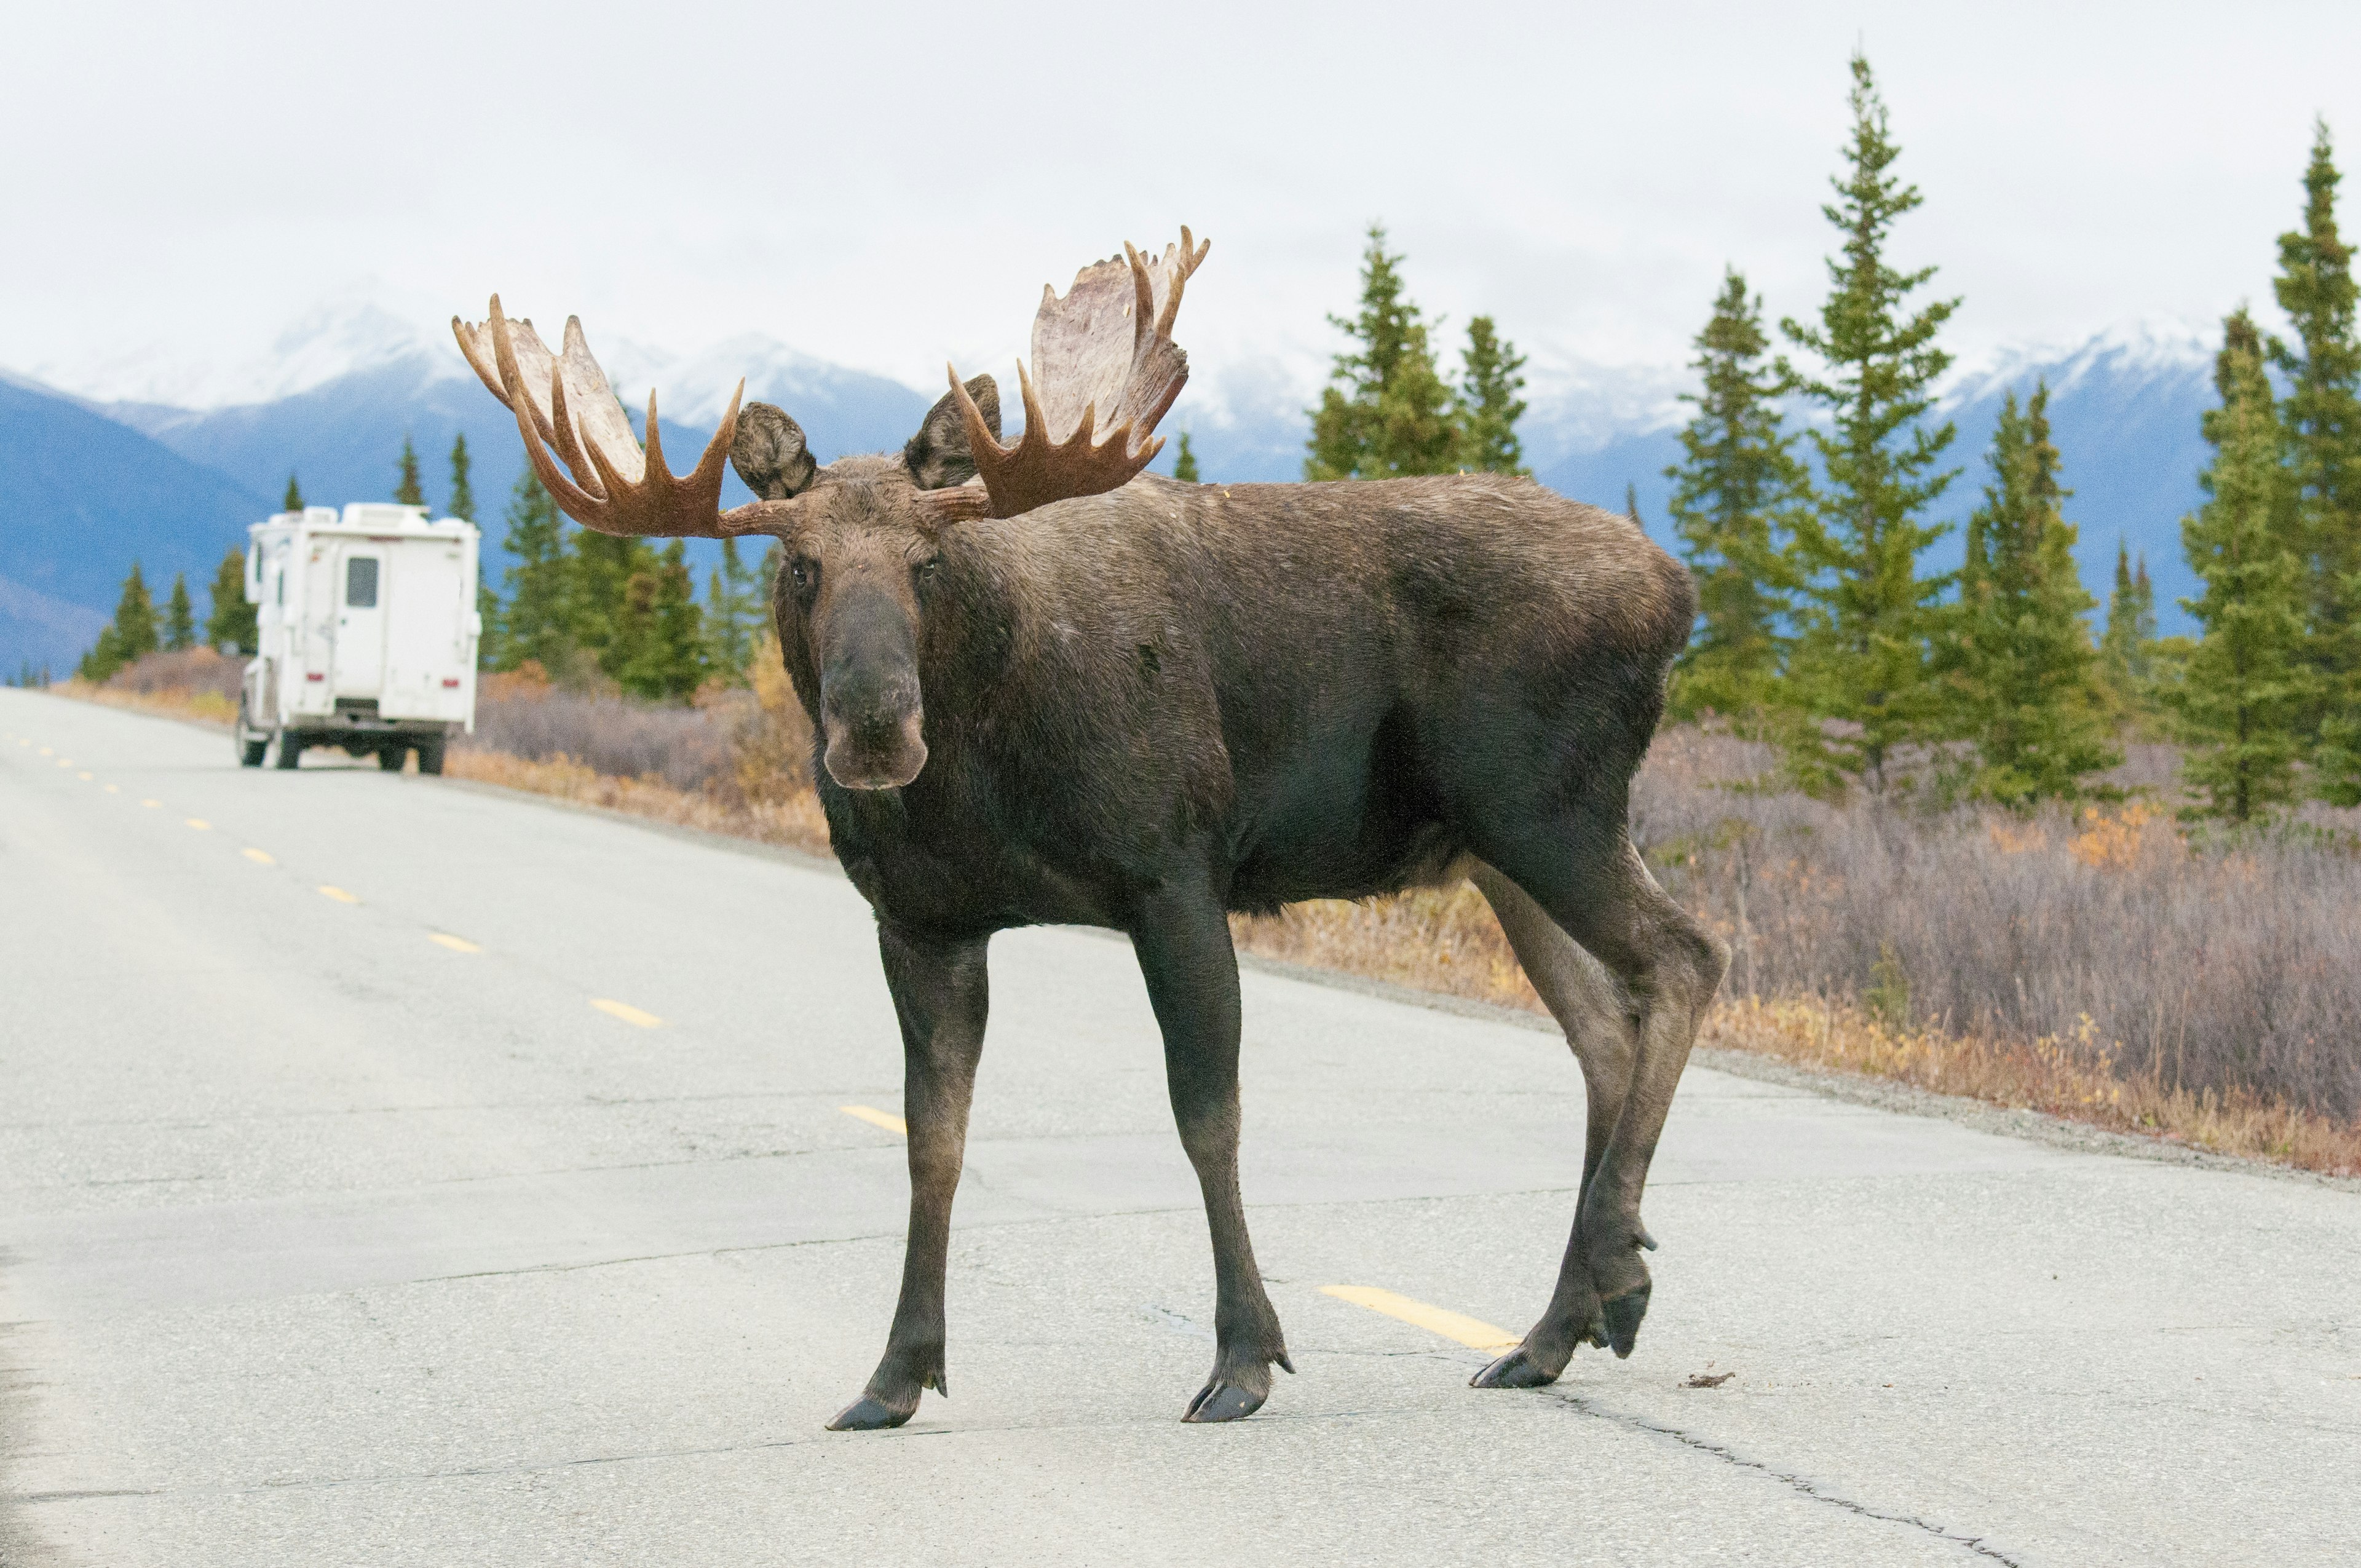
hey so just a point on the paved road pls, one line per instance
(346, 1228)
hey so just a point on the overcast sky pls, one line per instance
(887, 186)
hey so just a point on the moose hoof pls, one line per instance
(1223, 1402)
(1623, 1314)
(1517, 1369)
(866, 1414)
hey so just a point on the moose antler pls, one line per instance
(1107, 362)
(564, 400)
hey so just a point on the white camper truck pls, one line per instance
(368, 626)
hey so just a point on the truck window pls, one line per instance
(360, 582)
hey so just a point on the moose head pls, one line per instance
(864, 538)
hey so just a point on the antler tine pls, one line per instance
(1105, 362)
(607, 483)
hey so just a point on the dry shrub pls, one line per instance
(736, 762)
(191, 684)
(795, 822)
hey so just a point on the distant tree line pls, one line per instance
(1818, 628)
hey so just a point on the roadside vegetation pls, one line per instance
(2106, 962)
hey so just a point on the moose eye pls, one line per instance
(803, 573)
(924, 570)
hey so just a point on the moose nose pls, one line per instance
(869, 696)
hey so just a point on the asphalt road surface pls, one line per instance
(393, 1172)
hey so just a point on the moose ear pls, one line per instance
(938, 456)
(770, 455)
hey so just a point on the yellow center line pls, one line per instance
(65, 762)
(110, 789)
(1472, 1332)
(84, 777)
(47, 753)
(152, 803)
(338, 894)
(259, 856)
(456, 944)
(626, 1012)
(201, 825)
(876, 1118)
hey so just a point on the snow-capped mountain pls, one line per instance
(333, 397)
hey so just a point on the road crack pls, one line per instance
(1802, 1484)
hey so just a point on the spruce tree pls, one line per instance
(180, 616)
(1632, 503)
(462, 492)
(1485, 404)
(1735, 492)
(407, 491)
(733, 614)
(2020, 667)
(1184, 467)
(2243, 695)
(1866, 614)
(602, 616)
(129, 637)
(230, 620)
(2322, 414)
(536, 620)
(658, 628)
(1386, 411)
(2127, 648)
(295, 502)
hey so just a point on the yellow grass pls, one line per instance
(794, 822)
(172, 702)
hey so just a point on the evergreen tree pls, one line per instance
(659, 626)
(1734, 494)
(733, 614)
(407, 491)
(1632, 503)
(537, 619)
(1866, 615)
(2127, 647)
(1485, 404)
(2243, 697)
(1386, 411)
(463, 493)
(129, 637)
(2020, 668)
(230, 623)
(2323, 413)
(602, 617)
(180, 616)
(295, 502)
(1184, 467)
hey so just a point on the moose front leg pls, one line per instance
(940, 995)
(1182, 939)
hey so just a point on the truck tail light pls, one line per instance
(451, 683)
(315, 675)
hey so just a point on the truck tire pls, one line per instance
(250, 751)
(291, 750)
(391, 757)
(430, 755)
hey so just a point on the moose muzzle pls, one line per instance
(869, 709)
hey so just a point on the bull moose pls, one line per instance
(1047, 686)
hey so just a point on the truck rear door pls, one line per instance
(360, 620)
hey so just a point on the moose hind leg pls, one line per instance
(1591, 1007)
(1183, 940)
(940, 996)
(1592, 884)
